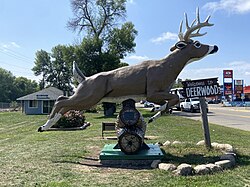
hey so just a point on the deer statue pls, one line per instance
(150, 79)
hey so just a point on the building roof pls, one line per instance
(247, 89)
(50, 93)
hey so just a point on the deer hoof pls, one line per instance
(153, 109)
(150, 120)
(40, 129)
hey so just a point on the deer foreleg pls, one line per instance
(165, 100)
(50, 122)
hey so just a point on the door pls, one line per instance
(47, 106)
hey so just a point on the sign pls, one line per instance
(238, 86)
(228, 88)
(201, 88)
(227, 73)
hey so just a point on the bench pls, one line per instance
(108, 127)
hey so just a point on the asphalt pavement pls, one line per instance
(234, 117)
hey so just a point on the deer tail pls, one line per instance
(77, 73)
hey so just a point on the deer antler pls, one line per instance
(190, 29)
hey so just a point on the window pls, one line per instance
(33, 103)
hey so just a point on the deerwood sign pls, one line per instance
(202, 88)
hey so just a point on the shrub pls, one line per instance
(72, 118)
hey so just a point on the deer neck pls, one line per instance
(175, 62)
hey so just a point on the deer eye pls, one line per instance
(197, 44)
(180, 45)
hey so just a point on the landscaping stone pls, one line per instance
(158, 143)
(226, 147)
(213, 167)
(167, 143)
(155, 164)
(202, 142)
(225, 164)
(176, 142)
(201, 170)
(167, 167)
(184, 170)
(214, 145)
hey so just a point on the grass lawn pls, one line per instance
(65, 158)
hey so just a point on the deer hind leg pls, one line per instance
(165, 100)
(57, 112)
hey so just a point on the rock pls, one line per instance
(214, 145)
(229, 157)
(201, 170)
(167, 167)
(225, 164)
(155, 164)
(184, 170)
(226, 147)
(176, 142)
(167, 143)
(202, 142)
(158, 143)
(213, 167)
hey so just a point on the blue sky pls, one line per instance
(30, 25)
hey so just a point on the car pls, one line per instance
(148, 104)
(191, 104)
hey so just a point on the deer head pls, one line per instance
(194, 49)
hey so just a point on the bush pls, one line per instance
(72, 118)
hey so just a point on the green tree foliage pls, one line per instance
(105, 43)
(6, 85)
(11, 87)
(55, 67)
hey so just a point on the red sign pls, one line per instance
(228, 73)
(228, 88)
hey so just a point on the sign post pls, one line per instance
(202, 88)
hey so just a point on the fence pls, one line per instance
(9, 106)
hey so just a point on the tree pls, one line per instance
(55, 67)
(6, 85)
(42, 66)
(24, 86)
(12, 87)
(104, 43)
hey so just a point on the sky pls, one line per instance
(31, 25)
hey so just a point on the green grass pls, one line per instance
(29, 158)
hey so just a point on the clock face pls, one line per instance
(130, 143)
(129, 116)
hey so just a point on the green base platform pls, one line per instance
(112, 156)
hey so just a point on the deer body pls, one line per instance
(151, 79)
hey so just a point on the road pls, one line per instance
(235, 117)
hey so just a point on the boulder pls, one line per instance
(167, 143)
(176, 143)
(201, 170)
(167, 167)
(213, 167)
(226, 147)
(155, 164)
(202, 142)
(184, 170)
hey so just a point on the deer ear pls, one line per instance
(180, 45)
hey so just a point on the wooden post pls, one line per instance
(203, 109)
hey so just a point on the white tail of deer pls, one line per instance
(151, 79)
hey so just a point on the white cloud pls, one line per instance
(9, 45)
(231, 6)
(131, 1)
(14, 44)
(241, 70)
(137, 58)
(164, 37)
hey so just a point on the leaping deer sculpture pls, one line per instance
(150, 79)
